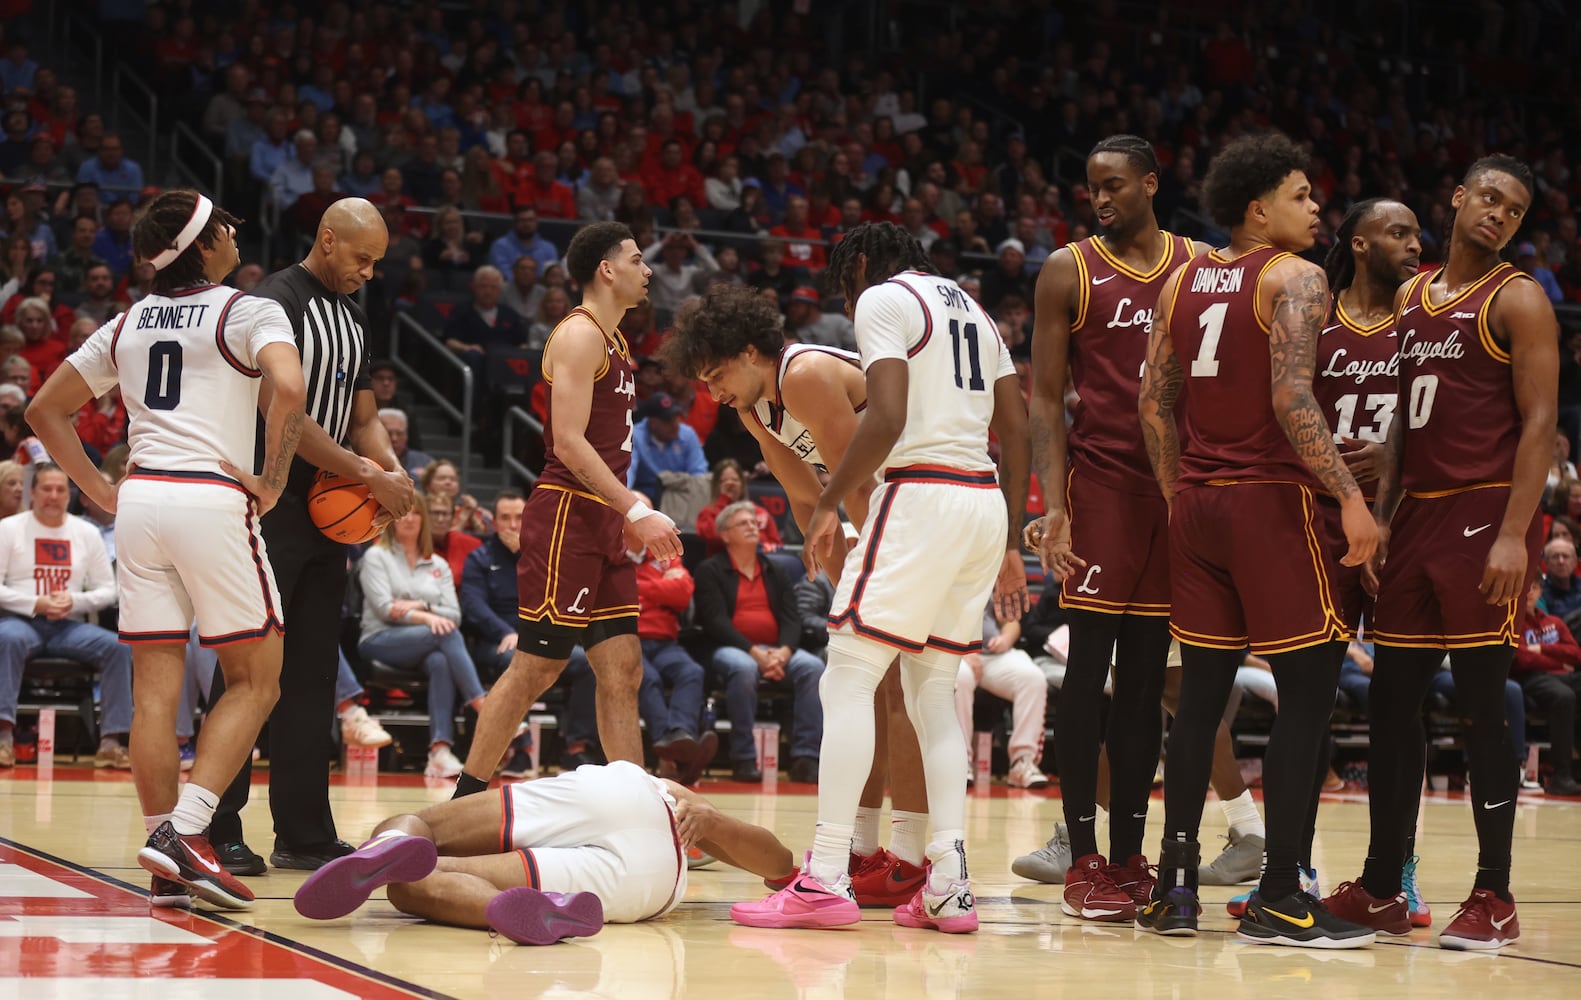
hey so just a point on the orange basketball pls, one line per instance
(342, 509)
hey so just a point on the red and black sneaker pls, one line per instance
(882, 879)
(188, 859)
(1092, 895)
(1354, 903)
(164, 894)
(1483, 922)
(1136, 878)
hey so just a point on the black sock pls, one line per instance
(1178, 862)
(1077, 724)
(1396, 759)
(1205, 681)
(466, 785)
(1307, 679)
(1135, 729)
(1410, 847)
(1480, 673)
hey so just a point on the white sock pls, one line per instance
(864, 839)
(152, 823)
(831, 854)
(347, 710)
(947, 851)
(193, 810)
(908, 836)
(386, 835)
(1241, 813)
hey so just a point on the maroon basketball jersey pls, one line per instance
(1358, 377)
(609, 420)
(1455, 390)
(1108, 344)
(1228, 431)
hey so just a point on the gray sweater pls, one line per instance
(386, 578)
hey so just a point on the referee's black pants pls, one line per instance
(310, 571)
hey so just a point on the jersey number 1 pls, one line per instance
(1206, 363)
(967, 333)
(163, 391)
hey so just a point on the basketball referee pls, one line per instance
(346, 437)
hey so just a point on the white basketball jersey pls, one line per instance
(775, 419)
(187, 367)
(955, 356)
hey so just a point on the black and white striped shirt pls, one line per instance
(331, 335)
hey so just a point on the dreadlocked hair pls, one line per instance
(1245, 170)
(1340, 264)
(1133, 147)
(719, 325)
(157, 228)
(889, 250)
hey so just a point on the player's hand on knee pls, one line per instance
(264, 496)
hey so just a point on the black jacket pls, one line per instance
(715, 601)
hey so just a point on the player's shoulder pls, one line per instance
(1286, 270)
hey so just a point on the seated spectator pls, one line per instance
(805, 321)
(293, 177)
(484, 325)
(410, 615)
(99, 303)
(13, 489)
(412, 460)
(113, 244)
(664, 592)
(1442, 686)
(19, 373)
(1004, 669)
(387, 395)
(43, 350)
(1009, 277)
(119, 178)
(524, 294)
(672, 176)
(747, 608)
(522, 241)
(442, 476)
(814, 599)
(451, 546)
(11, 397)
(543, 190)
(1545, 666)
(101, 423)
(54, 574)
(304, 214)
(730, 486)
(452, 247)
(1561, 469)
(596, 200)
(23, 220)
(1526, 260)
(1013, 318)
(661, 443)
(672, 279)
(1355, 675)
(803, 240)
(1561, 584)
(16, 264)
(553, 305)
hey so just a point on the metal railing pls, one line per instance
(77, 30)
(182, 137)
(513, 416)
(461, 414)
(123, 83)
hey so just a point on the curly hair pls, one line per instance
(721, 324)
(1247, 169)
(1340, 264)
(156, 231)
(889, 250)
(1133, 147)
(592, 245)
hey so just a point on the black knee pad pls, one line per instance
(608, 628)
(546, 639)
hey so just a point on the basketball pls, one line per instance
(342, 509)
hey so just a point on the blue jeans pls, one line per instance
(1356, 684)
(580, 724)
(1514, 707)
(24, 638)
(201, 663)
(739, 673)
(665, 662)
(444, 659)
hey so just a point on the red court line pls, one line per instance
(232, 951)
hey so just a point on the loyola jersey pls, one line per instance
(1108, 346)
(1455, 390)
(187, 367)
(955, 356)
(1228, 431)
(609, 418)
(1358, 377)
(775, 419)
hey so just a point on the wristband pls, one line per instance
(637, 511)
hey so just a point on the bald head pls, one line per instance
(352, 238)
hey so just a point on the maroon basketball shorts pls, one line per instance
(573, 569)
(1124, 538)
(1250, 567)
(1428, 592)
(1354, 601)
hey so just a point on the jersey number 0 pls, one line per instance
(163, 391)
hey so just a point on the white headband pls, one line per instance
(189, 232)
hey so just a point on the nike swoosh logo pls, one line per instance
(1495, 805)
(1303, 924)
(204, 863)
(1140, 815)
(1468, 532)
(1086, 819)
(1406, 310)
(1099, 281)
(1499, 924)
(1331, 329)
(1379, 909)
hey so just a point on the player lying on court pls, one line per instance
(538, 861)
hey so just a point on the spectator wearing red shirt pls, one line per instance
(747, 609)
(450, 545)
(541, 190)
(1545, 665)
(799, 250)
(673, 176)
(664, 593)
(41, 348)
(730, 486)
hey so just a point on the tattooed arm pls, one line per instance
(1162, 380)
(284, 421)
(579, 352)
(1298, 303)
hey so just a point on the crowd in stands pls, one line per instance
(739, 152)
